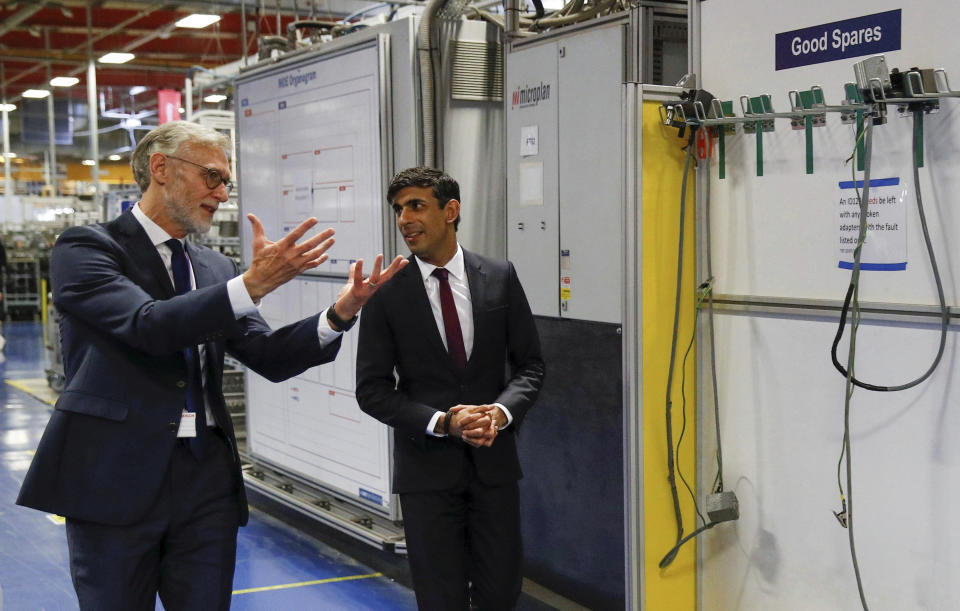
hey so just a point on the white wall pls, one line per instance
(781, 400)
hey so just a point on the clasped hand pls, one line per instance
(276, 263)
(477, 425)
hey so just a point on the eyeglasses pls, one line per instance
(213, 179)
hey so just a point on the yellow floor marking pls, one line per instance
(36, 388)
(307, 583)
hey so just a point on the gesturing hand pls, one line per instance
(275, 263)
(357, 291)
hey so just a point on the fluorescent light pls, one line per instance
(11, 155)
(137, 90)
(198, 21)
(88, 162)
(213, 98)
(116, 58)
(35, 93)
(8, 107)
(114, 157)
(64, 81)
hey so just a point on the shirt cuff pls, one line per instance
(506, 413)
(433, 424)
(325, 332)
(240, 299)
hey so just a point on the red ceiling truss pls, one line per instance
(57, 34)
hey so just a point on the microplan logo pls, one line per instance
(525, 95)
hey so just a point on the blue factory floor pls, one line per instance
(277, 567)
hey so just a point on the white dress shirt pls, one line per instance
(240, 299)
(460, 287)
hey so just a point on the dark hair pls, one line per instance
(444, 187)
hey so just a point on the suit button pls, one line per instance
(172, 426)
(181, 384)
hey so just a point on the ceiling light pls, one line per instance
(11, 155)
(137, 90)
(88, 162)
(8, 107)
(35, 93)
(213, 98)
(198, 21)
(64, 81)
(116, 58)
(114, 157)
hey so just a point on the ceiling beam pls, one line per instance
(142, 59)
(16, 19)
(82, 31)
(143, 13)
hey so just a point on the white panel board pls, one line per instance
(781, 401)
(776, 235)
(311, 424)
(310, 145)
(590, 100)
(782, 426)
(533, 216)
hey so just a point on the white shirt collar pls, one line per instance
(455, 266)
(155, 232)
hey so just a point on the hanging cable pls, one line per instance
(725, 506)
(944, 310)
(854, 294)
(671, 468)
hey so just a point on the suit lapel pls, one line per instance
(152, 275)
(415, 294)
(201, 271)
(477, 281)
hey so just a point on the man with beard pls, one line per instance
(139, 454)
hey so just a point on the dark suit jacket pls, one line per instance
(398, 330)
(104, 453)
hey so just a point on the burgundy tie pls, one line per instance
(451, 322)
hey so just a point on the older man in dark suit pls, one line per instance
(458, 333)
(140, 454)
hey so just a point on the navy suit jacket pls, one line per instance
(105, 450)
(398, 331)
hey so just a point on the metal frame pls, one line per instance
(632, 303)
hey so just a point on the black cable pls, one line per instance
(538, 6)
(683, 410)
(944, 310)
(671, 470)
(672, 554)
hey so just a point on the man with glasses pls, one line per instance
(139, 454)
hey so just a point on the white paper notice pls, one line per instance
(531, 183)
(529, 140)
(885, 247)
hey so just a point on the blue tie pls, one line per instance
(181, 282)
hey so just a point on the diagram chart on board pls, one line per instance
(312, 423)
(309, 144)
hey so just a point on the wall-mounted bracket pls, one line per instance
(808, 100)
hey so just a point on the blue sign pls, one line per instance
(829, 42)
(371, 496)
